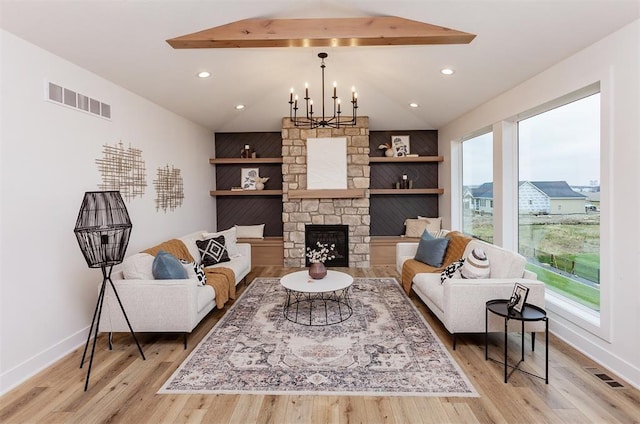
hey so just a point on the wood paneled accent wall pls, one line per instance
(388, 211)
(249, 210)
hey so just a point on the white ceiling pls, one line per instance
(124, 42)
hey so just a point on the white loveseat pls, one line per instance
(460, 303)
(165, 305)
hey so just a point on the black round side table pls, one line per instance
(529, 313)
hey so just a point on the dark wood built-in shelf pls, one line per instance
(406, 159)
(241, 161)
(245, 192)
(401, 191)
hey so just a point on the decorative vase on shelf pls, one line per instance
(388, 153)
(259, 186)
(317, 271)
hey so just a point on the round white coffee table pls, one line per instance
(317, 302)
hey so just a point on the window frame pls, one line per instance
(596, 323)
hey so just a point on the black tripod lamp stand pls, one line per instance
(103, 229)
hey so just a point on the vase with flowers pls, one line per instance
(317, 257)
(388, 151)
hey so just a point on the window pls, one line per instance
(559, 174)
(477, 186)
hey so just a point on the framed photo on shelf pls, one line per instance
(248, 178)
(400, 145)
(519, 296)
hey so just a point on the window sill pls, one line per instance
(576, 314)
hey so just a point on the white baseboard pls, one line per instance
(20, 373)
(628, 372)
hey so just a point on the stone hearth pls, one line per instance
(353, 212)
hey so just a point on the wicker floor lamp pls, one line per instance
(103, 229)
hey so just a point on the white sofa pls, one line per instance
(460, 303)
(165, 305)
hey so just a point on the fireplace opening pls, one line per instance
(328, 234)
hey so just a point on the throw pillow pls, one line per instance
(250, 231)
(415, 227)
(435, 224)
(476, 265)
(196, 271)
(213, 251)
(431, 250)
(138, 267)
(450, 271)
(230, 240)
(168, 267)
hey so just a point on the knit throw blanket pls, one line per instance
(457, 243)
(223, 280)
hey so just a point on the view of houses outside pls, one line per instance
(558, 197)
(477, 168)
(559, 219)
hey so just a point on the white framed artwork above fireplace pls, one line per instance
(326, 163)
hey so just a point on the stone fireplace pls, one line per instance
(348, 207)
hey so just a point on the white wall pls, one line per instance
(47, 154)
(615, 62)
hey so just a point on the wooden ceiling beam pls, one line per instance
(334, 32)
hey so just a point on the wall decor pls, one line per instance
(400, 145)
(327, 163)
(123, 170)
(248, 178)
(169, 188)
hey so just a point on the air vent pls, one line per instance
(70, 98)
(605, 378)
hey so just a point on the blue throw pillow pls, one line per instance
(167, 267)
(431, 250)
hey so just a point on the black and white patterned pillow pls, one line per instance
(195, 270)
(213, 251)
(449, 271)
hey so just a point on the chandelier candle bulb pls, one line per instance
(334, 90)
(291, 95)
(306, 90)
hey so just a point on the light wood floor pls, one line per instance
(123, 387)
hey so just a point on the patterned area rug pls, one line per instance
(385, 348)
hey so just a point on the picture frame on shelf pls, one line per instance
(400, 145)
(247, 178)
(519, 297)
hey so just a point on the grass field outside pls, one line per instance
(572, 289)
(563, 250)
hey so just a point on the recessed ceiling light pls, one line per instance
(414, 105)
(204, 74)
(447, 71)
(239, 107)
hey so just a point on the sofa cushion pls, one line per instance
(230, 240)
(429, 284)
(167, 267)
(138, 267)
(205, 295)
(431, 250)
(212, 251)
(476, 265)
(504, 263)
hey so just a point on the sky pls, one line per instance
(562, 144)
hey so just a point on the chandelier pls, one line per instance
(333, 121)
